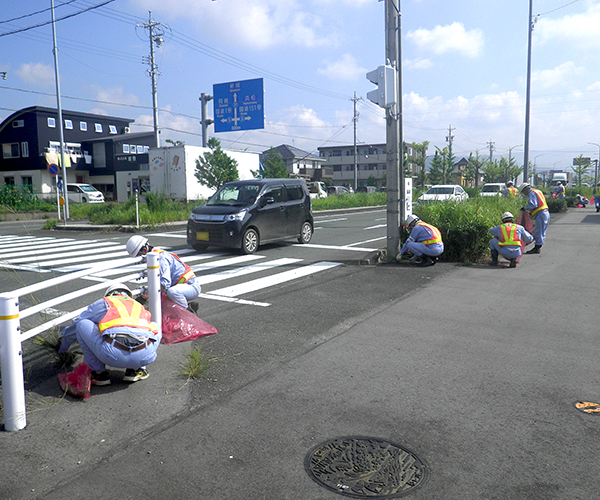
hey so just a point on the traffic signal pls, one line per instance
(385, 79)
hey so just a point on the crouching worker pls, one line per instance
(115, 331)
(424, 242)
(177, 279)
(507, 239)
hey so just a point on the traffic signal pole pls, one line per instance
(396, 202)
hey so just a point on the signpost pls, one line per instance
(239, 105)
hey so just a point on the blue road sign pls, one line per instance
(239, 105)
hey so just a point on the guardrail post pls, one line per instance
(11, 359)
(154, 288)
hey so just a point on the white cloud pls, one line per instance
(417, 64)
(258, 24)
(450, 38)
(557, 76)
(578, 29)
(37, 74)
(346, 68)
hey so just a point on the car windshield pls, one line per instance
(490, 189)
(237, 195)
(440, 190)
(88, 189)
(313, 188)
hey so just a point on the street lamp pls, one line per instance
(535, 165)
(596, 168)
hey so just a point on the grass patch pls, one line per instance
(51, 342)
(196, 363)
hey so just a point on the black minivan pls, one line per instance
(246, 214)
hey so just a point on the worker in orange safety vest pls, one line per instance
(507, 238)
(538, 208)
(425, 242)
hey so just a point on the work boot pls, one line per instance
(494, 261)
(426, 261)
(535, 249)
(415, 259)
(193, 307)
(513, 263)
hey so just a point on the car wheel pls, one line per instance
(199, 247)
(306, 232)
(83, 200)
(250, 241)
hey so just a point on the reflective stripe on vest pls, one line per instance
(508, 235)
(124, 311)
(435, 232)
(514, 191)
(542, 205)
(187, 272)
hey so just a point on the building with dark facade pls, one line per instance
(97, 147)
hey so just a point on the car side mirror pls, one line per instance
(267, 200)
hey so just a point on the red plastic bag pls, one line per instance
(525, 220)
(77, 383)
(181, 325)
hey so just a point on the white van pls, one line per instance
(84, 193)
(317, 189)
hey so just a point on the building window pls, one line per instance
(9, 181)
(25, 149)
(112, 129)
(27, 182)
(18, 123)
(132, 149)
(51, 122)
(146, 149)
(125, 148)
(83, 126)
(144, 166)
(140, 150)
(10, 150)
(98, 127)
(69, 124)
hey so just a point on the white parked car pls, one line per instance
(317, 189)
(84, 193)
(493, 189)
(443, 192)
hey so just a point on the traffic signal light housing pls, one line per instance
(385, 79)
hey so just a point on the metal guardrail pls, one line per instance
(11, 336)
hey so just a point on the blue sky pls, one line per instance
(463, 66)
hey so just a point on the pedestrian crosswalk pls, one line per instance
(223, 276)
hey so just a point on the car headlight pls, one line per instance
(237, 217)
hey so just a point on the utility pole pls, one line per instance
(491, 145)
(396, 196)
(205, 122)
(60, 120)
(450, 137)
(156, 33)
(530, 23)
(355, 120)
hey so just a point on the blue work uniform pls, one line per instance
(509, 251)
(97, 352)
(417, 242)
(542, 217)
(171, 270)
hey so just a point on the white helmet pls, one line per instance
(523, 186)
(510, 183)
(411, 219)
(506, 216)
(118, 287)
(135, 244)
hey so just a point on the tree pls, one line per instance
(216, 168)
(580, 167)
(493, 171)
(474, 164)
(273, 166)
(436, 172)
(420, 159)
(175, 143)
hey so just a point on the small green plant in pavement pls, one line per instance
(196, 363)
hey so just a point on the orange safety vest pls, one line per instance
(124, 311)
(436, 235)
(542, 205)
(187, 272)
(508, 235)
(514, 191)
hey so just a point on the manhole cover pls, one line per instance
(588, 407)
(363, 467)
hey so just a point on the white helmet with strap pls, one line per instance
(116, 288)
(135, 244)
(411, 219)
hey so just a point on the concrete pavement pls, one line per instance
(478, 374)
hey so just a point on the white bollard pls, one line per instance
(154, 288)
(11, 359)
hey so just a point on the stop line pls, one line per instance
(213, 270)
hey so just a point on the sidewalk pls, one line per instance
(477, 374)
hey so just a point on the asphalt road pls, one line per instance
(475, 369)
